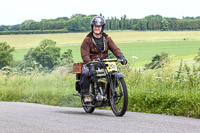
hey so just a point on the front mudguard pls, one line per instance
(112, 84)
(119, 75)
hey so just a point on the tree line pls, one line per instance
(81, 23)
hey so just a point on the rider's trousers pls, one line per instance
(84, 79)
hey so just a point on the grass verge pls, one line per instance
(164, 91)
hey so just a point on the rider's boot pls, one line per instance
(87, 98)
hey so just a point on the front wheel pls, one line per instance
(119, 100)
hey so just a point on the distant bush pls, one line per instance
(158, 61)
(67, 57)
(29, 63)
(29, 58)
(6, 58)
(197, 58)
(46, 54)
(46, 57)
(33, 32)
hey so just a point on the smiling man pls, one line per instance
(96, 45)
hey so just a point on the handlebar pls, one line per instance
(109, 60)
(104, 60)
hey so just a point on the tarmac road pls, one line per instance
(16, 117)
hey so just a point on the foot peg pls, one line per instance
(77, 95)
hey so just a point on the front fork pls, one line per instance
(111, 85)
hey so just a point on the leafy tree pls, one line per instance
(143, 24)
(67, 57)
(6, 58)
(198, 17)
(29, 25)
(46, 57)
(173, 23)
(29, 60)
(164, 24)
(81, 23)
(15, 27)
(77, 16)
(153, 22)
(108, 23)
(46, 54)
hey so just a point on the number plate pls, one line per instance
(111, 66)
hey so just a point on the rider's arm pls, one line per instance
(116, 51)
(85, 51)
(113, 47)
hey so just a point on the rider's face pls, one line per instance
(97, 29)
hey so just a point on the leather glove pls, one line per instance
(92, 70)
(124, 61)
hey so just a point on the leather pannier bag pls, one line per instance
(77, 68)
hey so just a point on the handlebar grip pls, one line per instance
(120, 60)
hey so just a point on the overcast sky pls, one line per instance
(16, 11)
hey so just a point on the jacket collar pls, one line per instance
(90, 35)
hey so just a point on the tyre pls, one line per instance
(119, 100)
(85, 107)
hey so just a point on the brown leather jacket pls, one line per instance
(89, 50)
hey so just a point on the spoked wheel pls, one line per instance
(119, 100)
(87, 107)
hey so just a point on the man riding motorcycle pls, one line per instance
(94, 46)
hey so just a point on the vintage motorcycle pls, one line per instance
(107, 87)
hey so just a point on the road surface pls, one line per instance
(16, 117)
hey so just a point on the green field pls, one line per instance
(27, 41)
(143, 50)
(143, 44)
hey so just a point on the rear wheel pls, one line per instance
(85, 106)
(119, 100)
